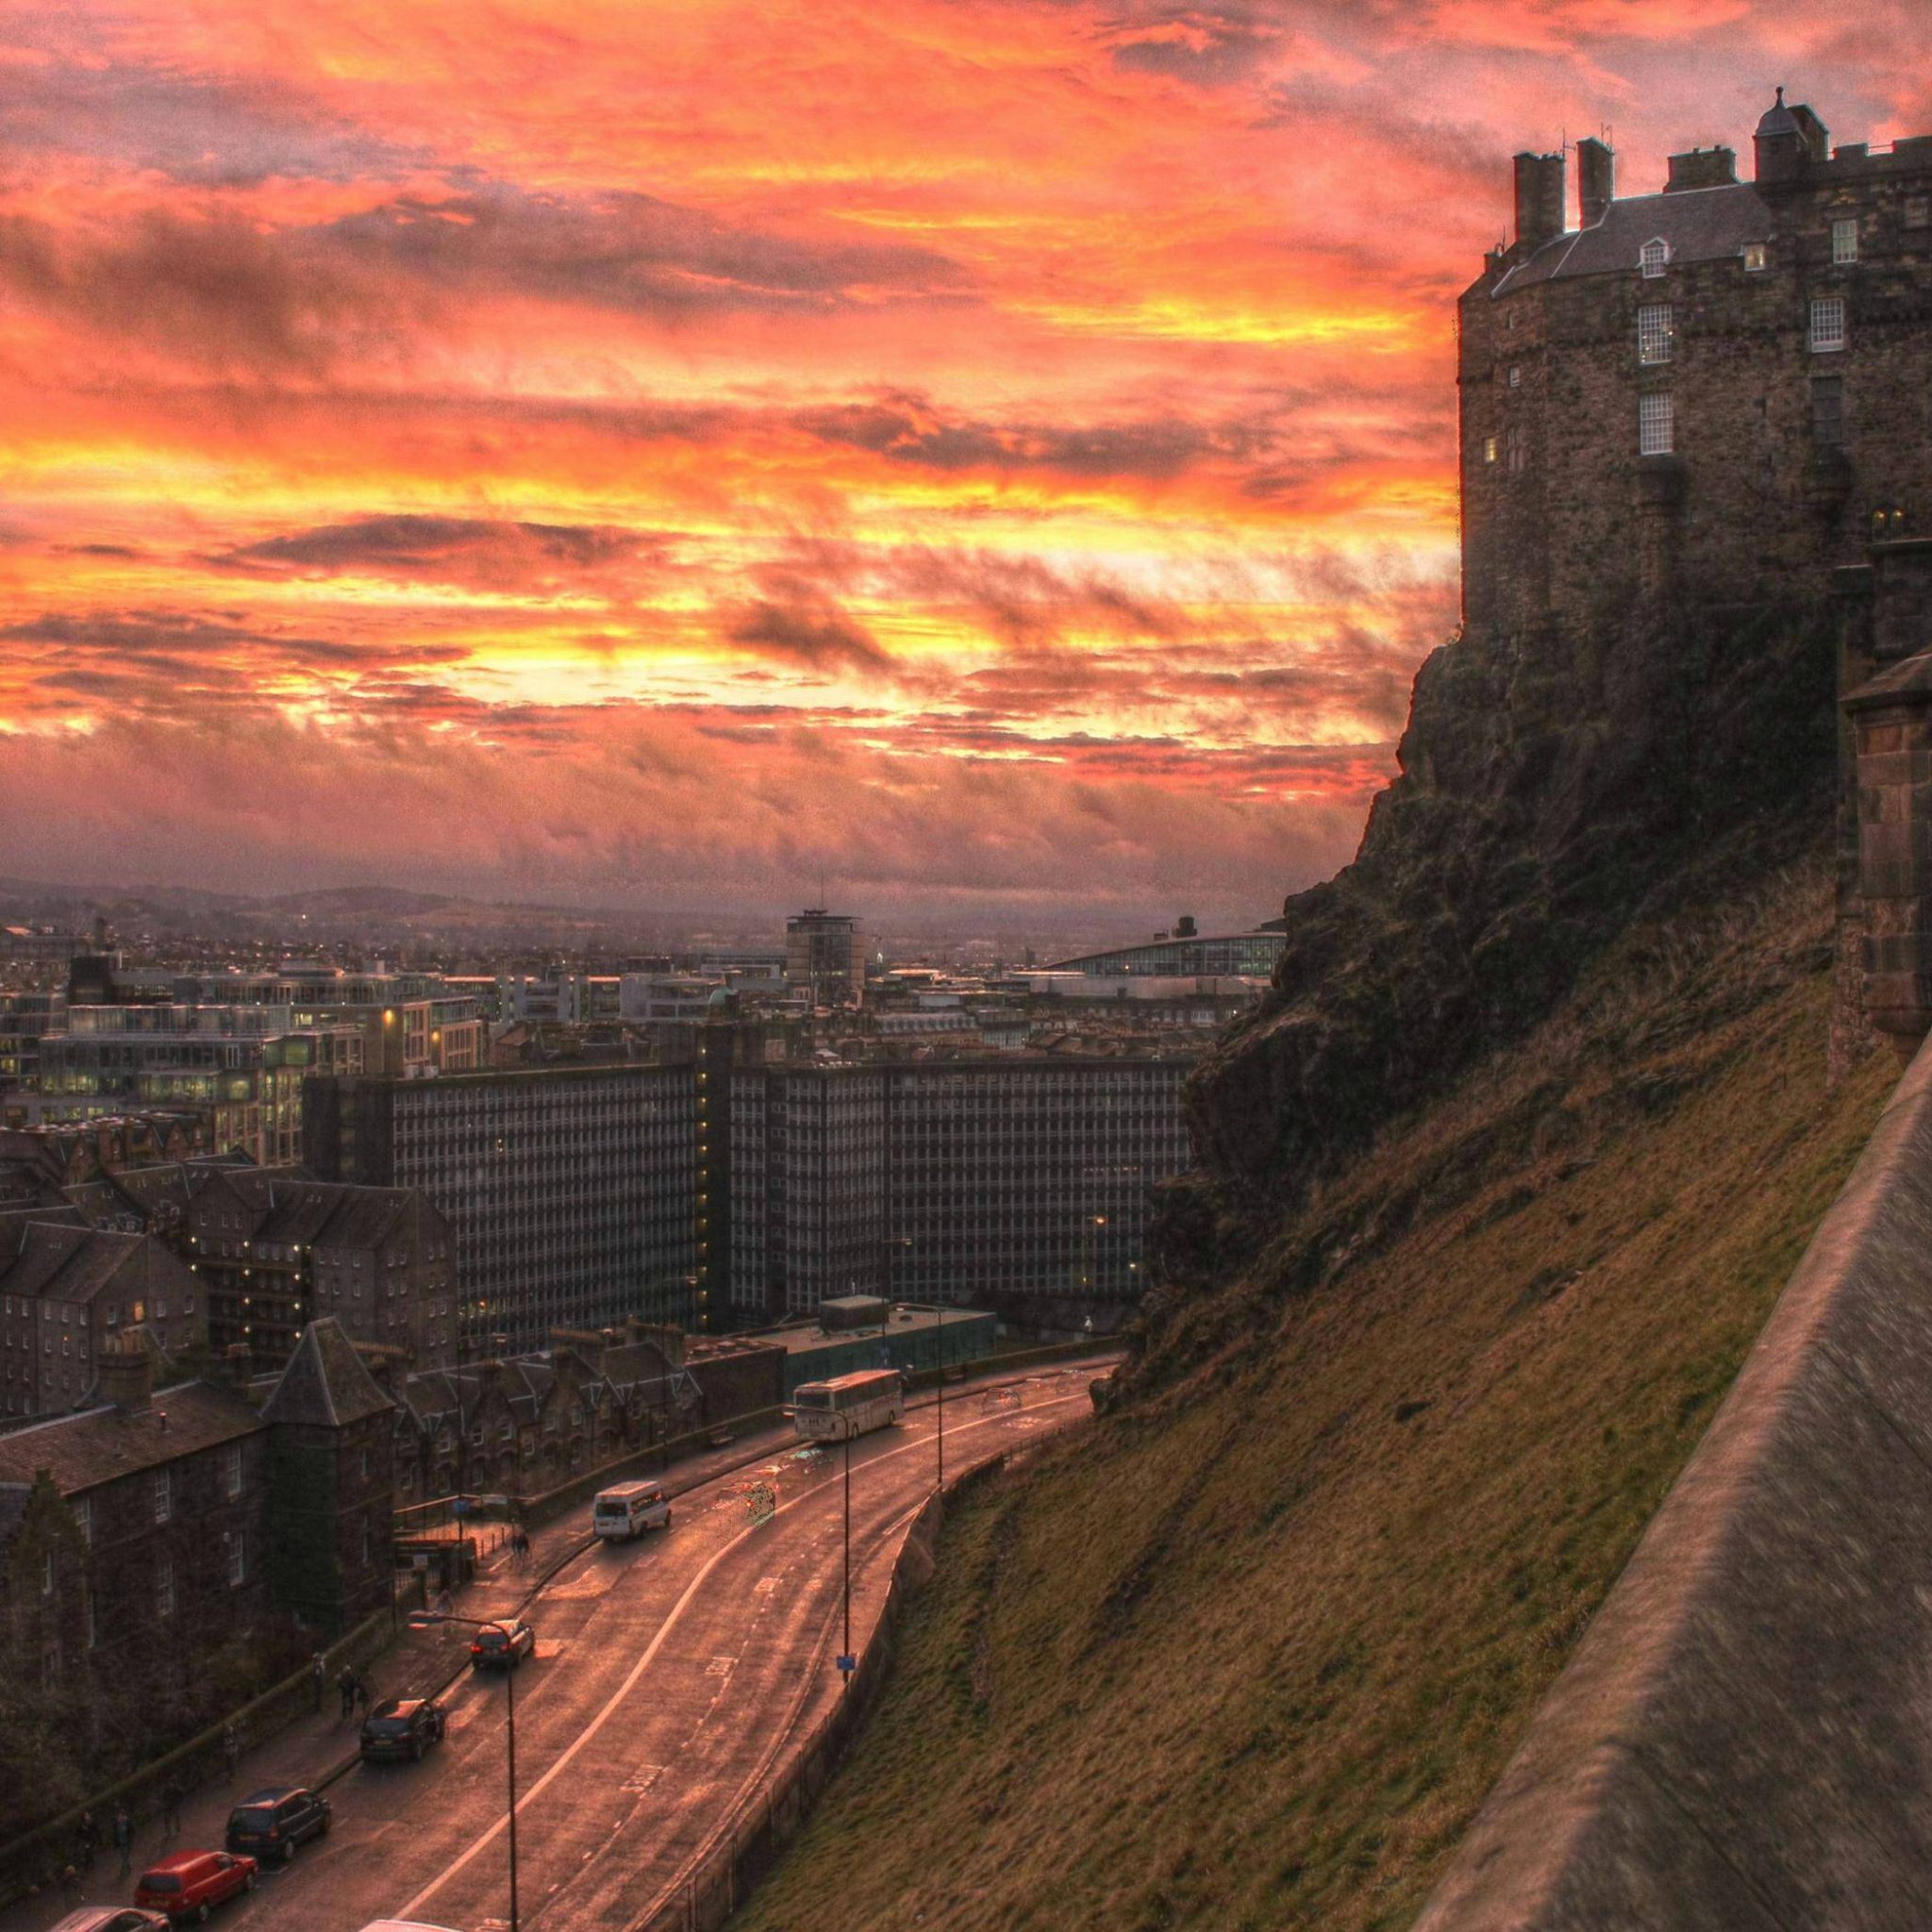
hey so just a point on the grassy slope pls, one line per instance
(1251, 1654)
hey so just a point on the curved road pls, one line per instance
(670, 1675)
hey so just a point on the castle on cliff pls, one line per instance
(1722, 386)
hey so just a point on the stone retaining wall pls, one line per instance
(1744, 1740)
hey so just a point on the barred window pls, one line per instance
(1827, 322)
(1844, 240)
(1654, 257)
(1657, 424)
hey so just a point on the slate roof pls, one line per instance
(326, 1384)
(96, 1445)
(325, 1214)
(68, 1261)
(1698, 223)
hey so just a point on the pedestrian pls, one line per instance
(123, 1828)
(70, 1885)
(171, 1795)
(345, 1686)
(88, 1833)
(231, 1750)
(318, 1672)
(362, 1698)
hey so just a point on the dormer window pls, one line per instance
(1653, 256)
(1753, 258)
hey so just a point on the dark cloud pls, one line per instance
(466, 549)
(909, 429)
(1204, 46)
(813, 633)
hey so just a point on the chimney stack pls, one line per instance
(127, 1378)
(1596, 178)
(1539, 198)
(237, 1361)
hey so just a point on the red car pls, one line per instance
(189, 1885)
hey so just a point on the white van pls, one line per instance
(628, 1510)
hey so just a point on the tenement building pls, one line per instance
(1722, 383)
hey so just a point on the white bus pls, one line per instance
(627, 1509)
(848, 1405)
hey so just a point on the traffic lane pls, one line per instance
(393, 1821)
(746, 1669)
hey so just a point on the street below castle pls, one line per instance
(671, 1677)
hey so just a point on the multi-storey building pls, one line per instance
(142, 1536)
(570, 1190)
(72, 1295)
(276, 1250)
(1008, 1183)
(1719, 388)
(825, 957)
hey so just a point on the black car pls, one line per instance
(272, 1823)
(402, 1727)
(506, 1643)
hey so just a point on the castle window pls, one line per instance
(1516, 376)
(1653, 256)
(1828, 409)
(1753, 258)
(1827, 322)
(1657, 424)
(1844, 240)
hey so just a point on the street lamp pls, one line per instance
(421, 1620)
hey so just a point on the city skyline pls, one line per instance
(978, 455)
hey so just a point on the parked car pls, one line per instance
(189, 1885)
(272, 1823)
(506, 1643)
(402, 1727)
(112, 1918)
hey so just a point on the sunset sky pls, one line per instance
(985, 456)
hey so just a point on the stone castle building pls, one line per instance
(1719, 387)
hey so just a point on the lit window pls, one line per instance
(1490, 449)
(1827, 322)
(1753, 256)
(1653, 256)
(1657, 424)
(1844, 240)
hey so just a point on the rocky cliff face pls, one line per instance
(1550, 791)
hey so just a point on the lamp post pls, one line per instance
(421, 1620)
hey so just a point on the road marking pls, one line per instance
(643, 1778)
(720, 1667)
(637, 1671)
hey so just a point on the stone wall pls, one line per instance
(1744, 1740)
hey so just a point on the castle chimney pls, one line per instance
(1539, 198)
(1596, 178)
(126, 1378)
(1703, 167)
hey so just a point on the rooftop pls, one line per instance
(99, 1444)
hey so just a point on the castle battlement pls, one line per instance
(1711, 390)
